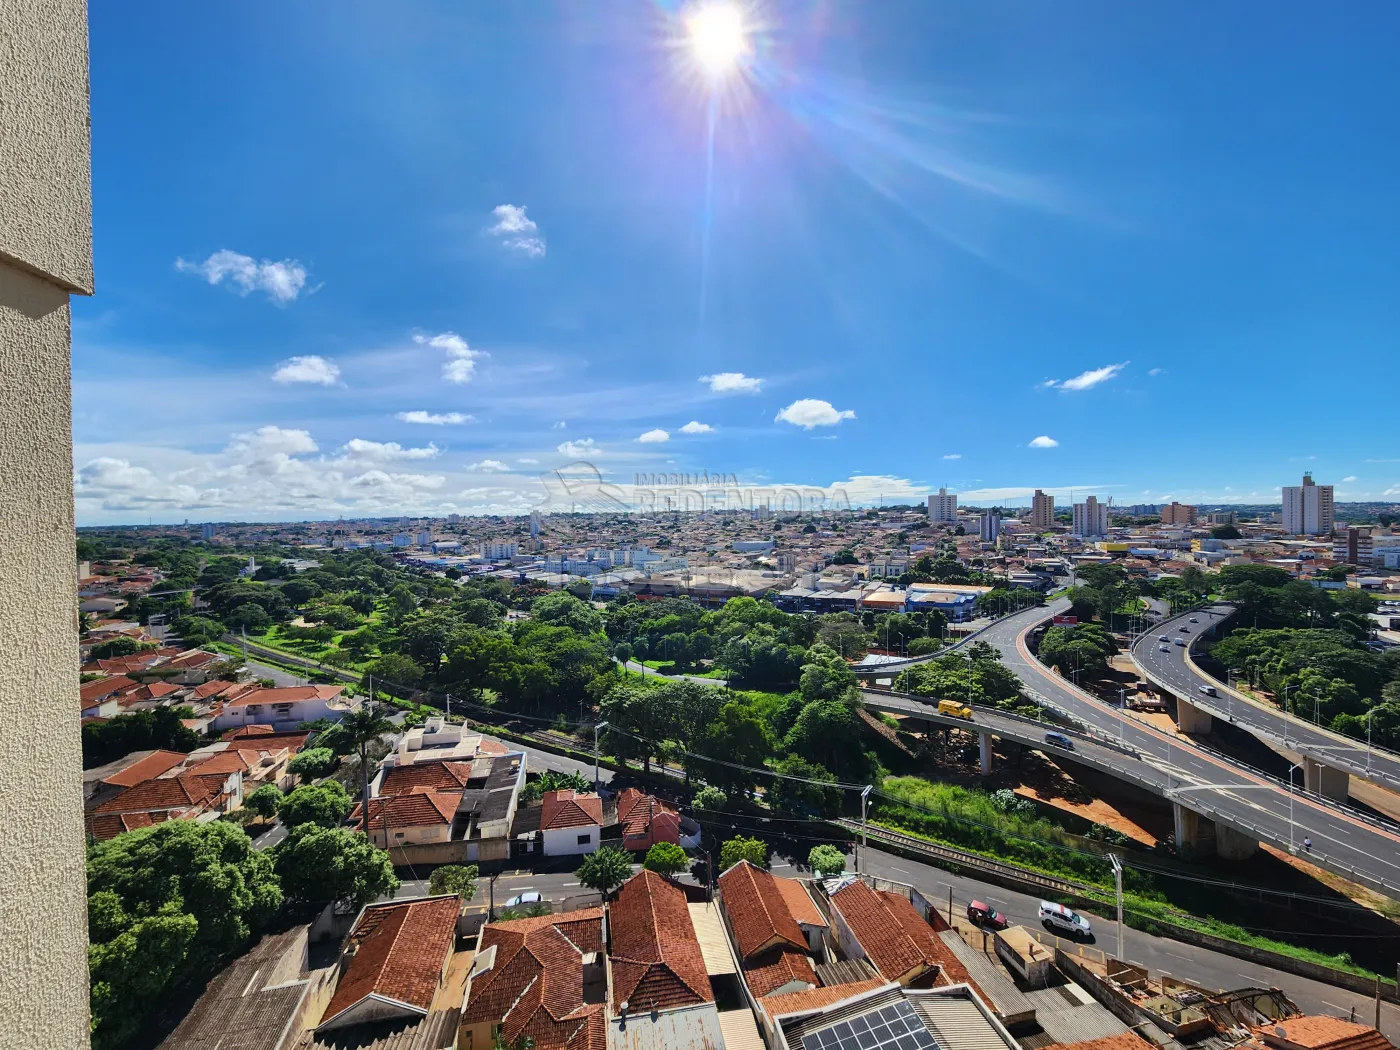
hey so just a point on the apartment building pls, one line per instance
(1090, 518)
(1353, 545)
(1307, 508)
(1175, 513)
(989, 526)
(1042, 511)
(943, 506)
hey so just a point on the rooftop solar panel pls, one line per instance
(893, 1027)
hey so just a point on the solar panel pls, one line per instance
(893, 1027)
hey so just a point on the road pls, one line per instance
(1211, 784)
(1174, 670)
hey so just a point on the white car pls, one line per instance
(525, 898)
(1065, 920)
(1164, 649)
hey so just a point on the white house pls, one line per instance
(571, 822)
(285, 708)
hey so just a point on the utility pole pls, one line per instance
(1118, 892)
(864, 843)
(598, 726)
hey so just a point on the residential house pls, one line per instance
(101, 698)
(437, 739)
(285, 708)
(106, 782)
(467, 807)
(571, 822)
(543, 978)
(646, 820)
(417, 817)
(397, 967)
(884, 927)
(1320, 1032)
(172, 796)
(771, 946)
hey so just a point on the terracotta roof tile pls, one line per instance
(108, 826)
(636, 810)
(1121, 1041)
(817, 998)
(570, 809)
(228, 761)
(799, 902)
(440, 775)
(288, 695)
(656, 958)
(91, 692)
(400, 950)
(894, 936)
(757, 910)
(1322, 1032)
(420, 808)
(166, 793)
(153, 765)
(770, 970)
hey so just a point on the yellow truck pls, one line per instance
(953, 708)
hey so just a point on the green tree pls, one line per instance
(313, 763)
(320, 865)
(361, 728)
(667, 858)
(741, 848)
(121, 645)
(299, 592)
(264, 801)
(562, 609)
(737, 735)
(249, 616)
(454, 878)
(1355, 600)
(159, 728)
(829, 734)
(326, 805)
(709, 800)
(167, 905)
(605, 869)
(826, 676)
(826, 860)
(395, 674)
(800, 795)
(1225, 532)
(198, 631)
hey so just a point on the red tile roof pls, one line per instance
(92, 692)
(419, 808)
(153, 765)
(817, 998)
(757, 910)
(398, 950)
(799, 902)
(292, 742)
(167, 793)
(440, 775)
(1121, 1041)
(225, 762)
(213, 688)
(656, 958)
(108, 826)
(535, 986)
(253, 730)
(768, 971)
(288, 695)
(636, 810)
(570, 809)
(1321, 1032)
(895, 938)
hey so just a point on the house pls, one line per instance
(285, 708)
(395, 964)
(446, 811)
(437, 739)
(571, 822)
(646, 820)
(167, 797)
(1320, 1032)
(417, 817)
(804, 911)
(884, 927)
(101, 698)
(257, 765)
(106, 782)
(771, 946)
(544, 978)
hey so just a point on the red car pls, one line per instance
(985, 915)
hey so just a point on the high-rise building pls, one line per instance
(498, 550)
(1307, 508)
(534, 524)
(206, 531)
(1222, 517)
(1090, 518)
(424, 538)
(1042, 510)
(1353, 545)
(989, 526)
(943, 506)
(1175, 513)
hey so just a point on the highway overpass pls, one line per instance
(1329, 759)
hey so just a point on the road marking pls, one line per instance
(902, 871)
(1176, 955)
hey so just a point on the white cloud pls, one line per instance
(1090, 379)
(696, 427)
(733, 383)
(810, 412)
(579, 449)
(488, 466)
(272, 441)
(460, 365)
(1043, 442)
(383, 451)
(953, 455)
(1155, 371)
(282, 281)
(528, 461)
(1350, 478)
(310, 368)
(435, 419)
(558, 426)
(654, 437)
(517, 231)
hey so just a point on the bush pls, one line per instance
(710, 798)
(454, 878)
(666, 858)
(826, 860)
(740, 848)
(313, 764)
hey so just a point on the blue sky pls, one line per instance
(379, 259)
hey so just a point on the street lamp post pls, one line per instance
(1118, 891)
(596, 727)
(864, 798)
(1290, 805)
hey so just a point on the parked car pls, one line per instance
(953, 708)
(986, 917)
(1065, 920)
(1059, 740)
(525, 898)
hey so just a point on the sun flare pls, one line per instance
(718, 37)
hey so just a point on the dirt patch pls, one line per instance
(1379, 904)
(1378, 798)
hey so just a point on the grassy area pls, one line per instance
(275, 638)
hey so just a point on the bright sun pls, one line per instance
(717, 37)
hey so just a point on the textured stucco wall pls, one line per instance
(45, 192)
(43, 905)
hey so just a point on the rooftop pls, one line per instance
(758, 911)
(570, 809)
(656, 958)
(893, 934)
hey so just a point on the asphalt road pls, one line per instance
(1209, 784)
(1171, 669)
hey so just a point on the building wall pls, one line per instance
(45, 253)
(563, 842)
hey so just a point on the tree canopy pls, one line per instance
(321, 865)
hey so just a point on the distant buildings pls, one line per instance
(1090, 518)
(1042, 510)
(989, 526)
(1353, 545)
(206, 531)
(943, 506)
(1307, 508)
(1175, 513)
(498, 550)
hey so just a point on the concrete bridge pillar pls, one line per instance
(1195, 834)
(1326, 781)
(1190, 718)
(984, 752)
(1233, 845)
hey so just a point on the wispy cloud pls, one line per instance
(517, 231)
(953, 455)
(528, 461)
(654, 437)
(1156, 371)
(435, 419)
(488, 466)
(307, 369)
(1348, 479)
(1088, 380)
(696, 427)
(1044, 441)
(282, 281)
(733, 383)
(579, 449)
(384, 451)
(460, 365)
(810, 412)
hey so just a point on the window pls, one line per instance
(584, 840)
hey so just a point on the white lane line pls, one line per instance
(902, 871)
